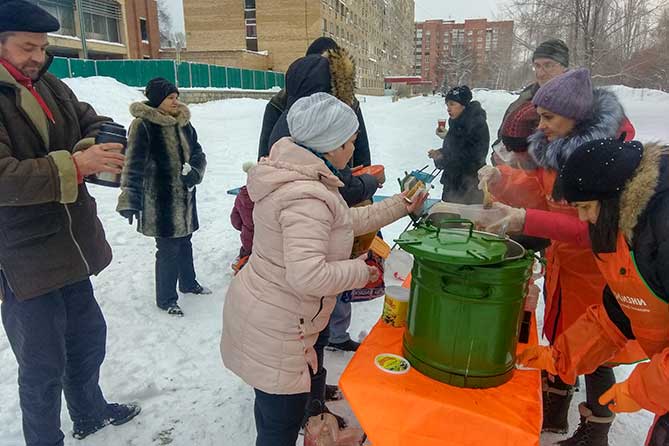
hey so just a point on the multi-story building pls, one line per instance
(124, 29)
(271, 34)
(476, 52)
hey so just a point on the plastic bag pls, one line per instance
(323, 430)
(371, 290)
(398, 266)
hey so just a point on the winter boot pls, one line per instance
(346, 346)
(332, 393)
(196, 289)
(592, 430)
(556, 400)
(115, 414)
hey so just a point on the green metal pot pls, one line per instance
(465, 310)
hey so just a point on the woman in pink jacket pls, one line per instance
(279, 303)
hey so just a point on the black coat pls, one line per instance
(463, 153)
(152, 182)
(644, 217)
(309, 75)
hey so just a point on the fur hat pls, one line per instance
(158, 89)
(321, 122)
(461, 95)
(599, 169)
(554, 49)
(23, 16)
(518, 126)
(569, 95)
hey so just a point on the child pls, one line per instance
(276, 308)
(242, 220)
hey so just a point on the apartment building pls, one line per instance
(271, 34)
(124, 29)
(476, 52)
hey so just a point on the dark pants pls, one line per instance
(174, 260)
(59, 343)
(280, 417)
(596, 384)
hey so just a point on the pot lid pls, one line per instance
(454, 242)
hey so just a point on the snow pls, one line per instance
(172, 366)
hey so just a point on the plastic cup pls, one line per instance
(441, 124)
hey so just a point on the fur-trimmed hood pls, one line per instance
(605, 122)
(643, 187)
(288, 163)
(143, 110)
(342, 75)
(473, 116)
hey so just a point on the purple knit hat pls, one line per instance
(569, 95)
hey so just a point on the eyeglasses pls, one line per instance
(545, 67)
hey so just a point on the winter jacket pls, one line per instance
(50, 233)
(573, 280)
(335, 74)
(278, 304)
(463, 153)
(644, 213)
(152, 182)
(242, 219)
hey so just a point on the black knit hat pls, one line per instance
(158, 89)
(554, 49)
(599, 169)
(23, 16)
(461, 94)
(321, 45)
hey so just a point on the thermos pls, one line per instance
(110, 132)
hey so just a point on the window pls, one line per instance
(250, 4)
(101, 20)
(250, 24)
(144, 30)
(63, 10)
(251, 29)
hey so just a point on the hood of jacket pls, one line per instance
(471, 117)
(286, 164)
(144, 111)
(644, 187)
(605, 122)
(332, 73)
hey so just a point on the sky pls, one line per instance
(425, 9)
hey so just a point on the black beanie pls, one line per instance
(321, 45)
(158, 89)
(461, 94)
(554, 49)
(599, 169)
(23, 16)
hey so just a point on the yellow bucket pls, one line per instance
(396, 306)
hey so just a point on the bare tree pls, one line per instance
(164, 25)
(457, 66)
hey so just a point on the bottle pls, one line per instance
(110, 132)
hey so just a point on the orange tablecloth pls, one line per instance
(414, 410)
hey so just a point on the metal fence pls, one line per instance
(136, 73)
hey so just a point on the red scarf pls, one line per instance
(28, 84)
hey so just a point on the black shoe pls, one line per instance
(347, 346)
(592, 430)
(115, 414)
(332, 393)
(196, 289)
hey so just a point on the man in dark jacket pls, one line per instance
(464, 149)
(52, 240)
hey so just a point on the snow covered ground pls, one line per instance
(172, 366)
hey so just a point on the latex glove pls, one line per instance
(619, 398)
(488, 175)
(511, 222)
(441, 132)
(129, 214)
(434, 154)
(538, 357)
(312, 359)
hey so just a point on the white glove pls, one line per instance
(512, 220)
(488, 175)
(441, 132)
(185, 169)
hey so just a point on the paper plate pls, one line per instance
(391, 363)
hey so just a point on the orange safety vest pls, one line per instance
(647, 312)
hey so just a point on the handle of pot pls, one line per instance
(453, 221)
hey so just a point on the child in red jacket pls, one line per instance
(242, 220)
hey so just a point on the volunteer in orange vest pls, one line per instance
(622, 190)
(571, 113)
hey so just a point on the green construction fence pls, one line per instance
(136, 73)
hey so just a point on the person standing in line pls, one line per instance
(52, 238)
(165, 163)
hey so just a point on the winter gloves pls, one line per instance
(190, 176)
(538, 357)
(620, 398)
(441, 132)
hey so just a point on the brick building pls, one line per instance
(271, 34)
(124, 29)
(476, 52)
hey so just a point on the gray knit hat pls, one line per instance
(554, 49)
(321, 122)
(569, 95)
